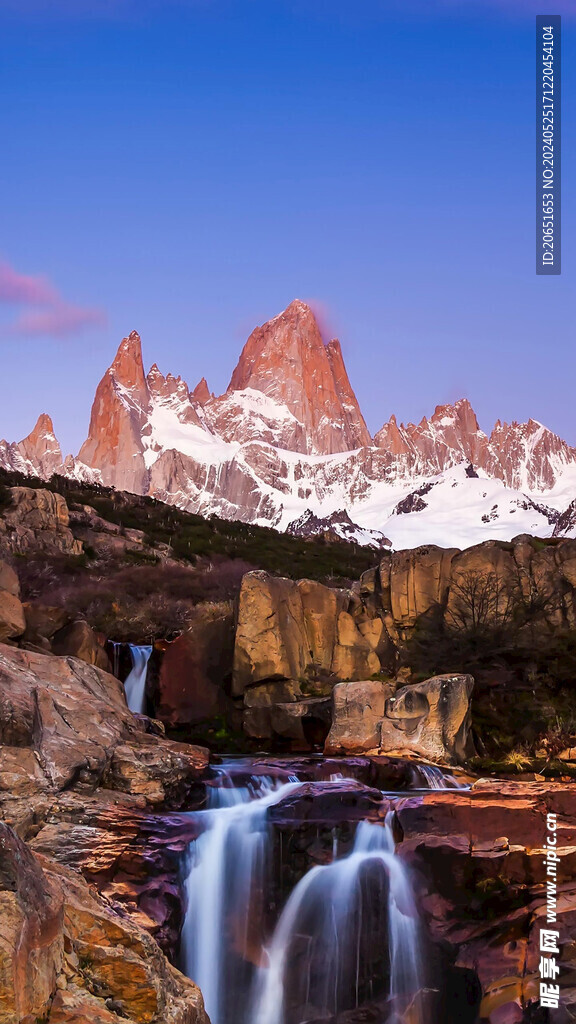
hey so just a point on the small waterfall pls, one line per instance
(436, 778)
(328, 944)
(135, 684)
(221, 938)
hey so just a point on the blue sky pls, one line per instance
(188, 168)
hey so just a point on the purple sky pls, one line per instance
(188, 168)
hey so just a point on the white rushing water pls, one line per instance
(326, 910)
(343, 922)
(135, 684)
(228, 869)
(437, 778)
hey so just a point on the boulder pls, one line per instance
(44, 620)
(78, 640)
(66, 956)
(357, 712)
(306, 722)
(430, 719)
(9, 580)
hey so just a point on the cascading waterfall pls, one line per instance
(323, 941)
(347, 935)
(225, 885)
(135, 684)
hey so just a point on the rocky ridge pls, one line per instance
(287, 440)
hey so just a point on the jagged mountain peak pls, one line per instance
(201, 393)
(127, 367)
(43, 428)
(310, 406)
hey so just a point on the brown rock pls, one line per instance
(78, 640)
(419, 580)
(430, 719)
(37, 520)
(9, 580)
(74, 716)
(66, 956)
(301, 631)
(45, 620)
(31, 938)
(357, 712)
(12, 620)
(194, 668)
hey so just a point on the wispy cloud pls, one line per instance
(44, 310)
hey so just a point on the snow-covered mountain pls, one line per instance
(287, 444)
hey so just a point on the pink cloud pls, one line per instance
(44, 310)
(59, 321)
(22, 289)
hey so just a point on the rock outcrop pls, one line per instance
(37, 520)
(78, 640)
(80, 780)
(67, 956)
(294, 640)
(65, 724)
(12, 616)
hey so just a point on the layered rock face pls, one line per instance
(80, 778)
(66, 956)
(287, 444)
